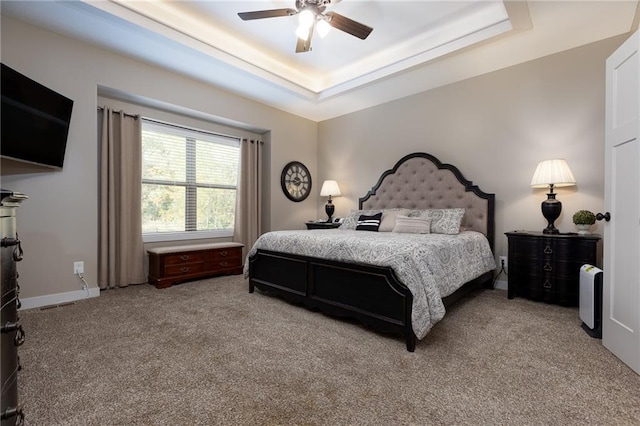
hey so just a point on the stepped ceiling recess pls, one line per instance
(414, 46)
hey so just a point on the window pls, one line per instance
(189, 182)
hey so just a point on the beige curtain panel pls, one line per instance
(248, 225)
(121, 252)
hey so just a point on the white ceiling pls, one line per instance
(415, 45)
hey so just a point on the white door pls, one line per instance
(621, 290)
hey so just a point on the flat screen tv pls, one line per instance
(34, 120)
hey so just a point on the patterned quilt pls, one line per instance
(432, 266)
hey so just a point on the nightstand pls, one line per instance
(322, 225)
(546, 267)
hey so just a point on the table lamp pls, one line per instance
(330, 188)
(552, 173)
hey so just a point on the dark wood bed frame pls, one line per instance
(371, 294)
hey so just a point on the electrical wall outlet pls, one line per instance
(503, 262)
(78, 268)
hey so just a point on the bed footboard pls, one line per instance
(370, 294)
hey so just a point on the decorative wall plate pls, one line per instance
(295, 181)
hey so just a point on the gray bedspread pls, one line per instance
(432, 266)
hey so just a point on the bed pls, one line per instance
(312, 268)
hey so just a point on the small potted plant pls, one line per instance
(583, 220)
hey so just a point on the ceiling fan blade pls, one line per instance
(305, 45)
(348, 25)
(260, 14)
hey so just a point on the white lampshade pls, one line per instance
(552, 172)
(330, 188)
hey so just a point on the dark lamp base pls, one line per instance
(551, 209)
(552, 230)
(329, 208)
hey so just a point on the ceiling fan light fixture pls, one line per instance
(306, 18)
(323, 28)
(312, 16)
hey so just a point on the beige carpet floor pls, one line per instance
(209, 353)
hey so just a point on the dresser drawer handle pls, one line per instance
(10, 327)
(223, 263)
(18, 340)
(184, 257)
(548, 267)
(548, 250)
(547, 284)
(184, 269)
(13, 412)
(9, 242)
(224, 253)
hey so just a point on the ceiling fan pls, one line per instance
(312, 14)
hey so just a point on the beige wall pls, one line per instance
(58, 223)
(495, 128)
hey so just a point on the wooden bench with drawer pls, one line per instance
(172, 265)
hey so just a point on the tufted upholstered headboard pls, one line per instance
(421, 181)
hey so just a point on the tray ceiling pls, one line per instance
(414, 46)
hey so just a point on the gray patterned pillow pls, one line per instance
(443, 221)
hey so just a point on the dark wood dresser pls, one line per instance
(172, 265)
(546, 267)
(11, 329)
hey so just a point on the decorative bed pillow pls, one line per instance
(412, 225)
(443, 221)
(369, 223)
(351, 220)
(389, 218)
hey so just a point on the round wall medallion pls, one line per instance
(295, 181)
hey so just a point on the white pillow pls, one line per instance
(412, 225)
(389, 218)
(443, 221)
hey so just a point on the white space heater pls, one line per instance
(591, 300)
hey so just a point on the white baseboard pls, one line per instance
(58, 298)
(501, 285)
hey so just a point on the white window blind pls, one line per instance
(189, 180)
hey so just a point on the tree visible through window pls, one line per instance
(189, 179)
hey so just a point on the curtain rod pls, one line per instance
(191, 129)
(124, 113)
(178, 126)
